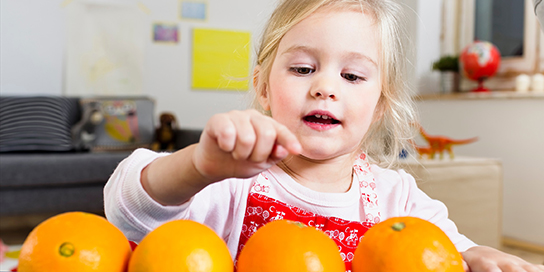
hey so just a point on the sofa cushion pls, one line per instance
(57, 169)
(37, 123)
(39, 200)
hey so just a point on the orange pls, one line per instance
(290, 246)
(181, 246)
(75, 241)
(406, 244)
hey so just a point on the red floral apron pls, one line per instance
(262, 209)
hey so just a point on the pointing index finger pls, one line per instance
(287, 139)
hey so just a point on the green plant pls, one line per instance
(447, 63)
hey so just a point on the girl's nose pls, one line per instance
(317, 94)
(324, 88)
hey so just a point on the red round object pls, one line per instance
(480, 60)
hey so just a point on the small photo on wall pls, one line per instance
(193, 10)
(165, 33)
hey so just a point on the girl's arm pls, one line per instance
(149, 188)
(238, 144)
(172, 180)
(129, 207)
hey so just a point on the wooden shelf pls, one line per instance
(479, 96)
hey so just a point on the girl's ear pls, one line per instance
(260, 89)
(256, 77)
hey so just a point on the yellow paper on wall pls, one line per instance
(220, 59)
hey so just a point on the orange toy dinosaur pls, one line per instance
(423, 150)
(438, 144)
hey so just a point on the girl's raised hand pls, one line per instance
(242, 144)
(487, 259)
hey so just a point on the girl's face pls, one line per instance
(324, 83)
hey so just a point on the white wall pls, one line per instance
(31, 47)
(424, 31)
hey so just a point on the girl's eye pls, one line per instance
(352, 77)
(302, 70)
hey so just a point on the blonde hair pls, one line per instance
(388, 134)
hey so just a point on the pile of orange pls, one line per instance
(83, 242)
(406, 244)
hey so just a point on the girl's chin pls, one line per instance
(324, 153)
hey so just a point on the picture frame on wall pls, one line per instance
(165, 32)
(193, 10)
(220, 59)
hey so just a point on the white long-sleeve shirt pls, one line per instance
(222, 205)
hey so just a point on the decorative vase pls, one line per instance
(449, 82)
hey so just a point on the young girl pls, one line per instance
(328, 80)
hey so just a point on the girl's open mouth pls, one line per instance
(321, 119)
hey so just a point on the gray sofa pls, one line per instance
(32, 183)
(37, 182)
